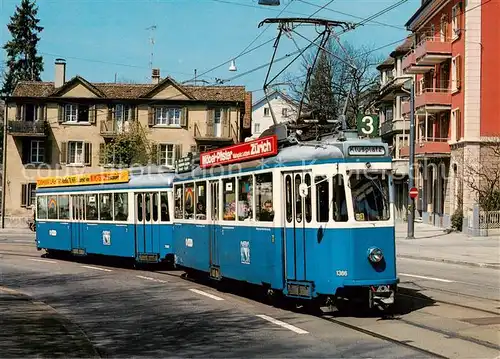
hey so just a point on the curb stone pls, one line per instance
(72, 328)
(451, 261)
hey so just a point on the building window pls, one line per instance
(123, 112)
(168, 154)
(75, 152)
(168, 116)
(284, 112)
(266, 111)
(28, 194)
(217, 115)
(76, 113)
(455, 21)
(455, 73)
(256, 127)
(31, 112)
(37, 151)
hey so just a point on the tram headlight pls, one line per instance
(375, 255)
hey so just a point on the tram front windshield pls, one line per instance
(370, 196)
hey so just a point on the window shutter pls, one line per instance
(110, 113)
(225, 122)
(48, 151)
(458, 125)
(88, 153)
(459, 71)
(24, 195)
(184, 117)
(92, 114)
(26, 148)
(60, 118)
(133, 110)
(19, 112)
(210, 122)
(151, 118)
(154, 153)
(102, 153)
(178, 152)
(40, 112)
(63, 153)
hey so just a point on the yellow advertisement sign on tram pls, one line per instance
(84, 179)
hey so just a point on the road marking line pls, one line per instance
(206, 294)
(283, 324)
(43, 261)
(151, 279)
(424, 277)
(97, 268)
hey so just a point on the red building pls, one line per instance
(456, 71)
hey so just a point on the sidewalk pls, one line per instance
(34, 329)
(435, 244)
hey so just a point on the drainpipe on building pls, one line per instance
(4, 163)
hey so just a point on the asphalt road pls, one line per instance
(126, 312)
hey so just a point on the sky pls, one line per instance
(106, 39)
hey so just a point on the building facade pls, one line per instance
(283, 107)
(64, 127)
(394, 124)
(456, 71)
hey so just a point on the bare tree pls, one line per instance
(483, 177)
(334, 79)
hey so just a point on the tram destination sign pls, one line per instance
(262, 147)
(366, 151)
(84, 179)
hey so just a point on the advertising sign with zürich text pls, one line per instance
(262, 147)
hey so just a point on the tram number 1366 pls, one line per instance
(341, 273)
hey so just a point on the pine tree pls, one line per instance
(23, 62)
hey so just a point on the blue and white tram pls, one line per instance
(310, 222)
(130, 219)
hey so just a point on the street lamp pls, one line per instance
(411, 170)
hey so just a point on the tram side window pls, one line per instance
(52, 207)
(105, 207)
(63, 202)
(322, 198)
(288, 199)
(245, 198)
(91, 208)
(164, 207)
(121, 206)
(264, 197)
(189, 201)
(338, 199)
(147, 206)
(41, 207)
(308, 199)
(178, 202)
(140, 208)
(201, 200)
(155, 207)
(229, 199)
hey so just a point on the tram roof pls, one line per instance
(328, 150)
(139, 178)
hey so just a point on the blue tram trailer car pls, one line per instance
(311, 221)
(128, 218)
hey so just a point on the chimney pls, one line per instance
(155, 76)
(60, 73)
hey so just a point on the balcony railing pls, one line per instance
(27, 128)
(432, 50)
(386, 127)
(112, 128)
(428, 147)
(433, 99)
(227, 133)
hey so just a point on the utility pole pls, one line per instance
(152, 42)
(411, 172)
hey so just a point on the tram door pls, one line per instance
(146, 232)
(78, 223)
(214, 212)
(297, 210)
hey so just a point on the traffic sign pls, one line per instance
(413, 193)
